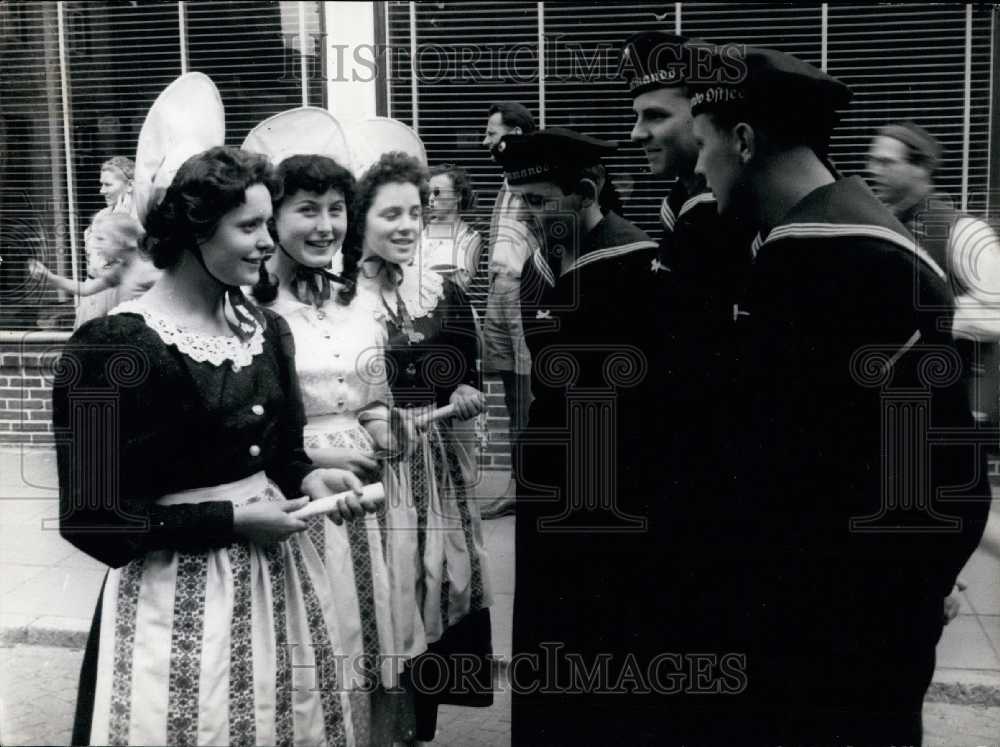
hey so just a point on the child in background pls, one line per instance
(116, 180)
(119, 266)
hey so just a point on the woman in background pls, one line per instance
(448, 243)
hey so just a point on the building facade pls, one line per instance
(78, 77)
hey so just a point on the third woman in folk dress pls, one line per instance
(431, 363)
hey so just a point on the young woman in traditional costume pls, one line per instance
(182, 470)
(339, 358)
(431, 363)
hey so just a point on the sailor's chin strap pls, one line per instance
(242, 316)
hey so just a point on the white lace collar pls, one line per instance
(422, 288)
(214, 349)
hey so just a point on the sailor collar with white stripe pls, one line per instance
(845, 209)
(669, 214)
(612, 238)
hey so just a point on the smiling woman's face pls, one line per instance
(311, 226)
(392, 224)
(113, 186)
(234, 253)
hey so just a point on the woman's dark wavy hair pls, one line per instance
(395, 167)
(460, 179)
(206, 187)
(310, 173)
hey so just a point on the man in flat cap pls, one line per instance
(902, 161)
(850, 373)
(585, 588)
(510, 245)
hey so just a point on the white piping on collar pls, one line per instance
(591, 257)
(835, 230)
(696, 200)
(609, 252)
(755, 246)
(667, 216)
(543, 267)
(914, 339)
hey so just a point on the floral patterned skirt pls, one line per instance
(442, 565)
(378, 623)
(455, 578)
(238, 645)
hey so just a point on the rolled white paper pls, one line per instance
(439, 414)
(330, 503)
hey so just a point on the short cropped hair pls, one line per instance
(514, 114)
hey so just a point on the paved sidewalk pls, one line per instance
(48, 590)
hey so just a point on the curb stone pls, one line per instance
(960, 693)
(46, 631)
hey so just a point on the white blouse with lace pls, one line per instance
(338, 354)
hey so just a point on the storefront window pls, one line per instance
(119, 56)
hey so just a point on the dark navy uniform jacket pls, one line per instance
(586, 522)
(863, 478)
(709, 260)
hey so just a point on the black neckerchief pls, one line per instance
(311, 285)
(400, 316)
(241, 315)
(392, 270)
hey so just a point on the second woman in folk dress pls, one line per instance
(339, 360)
(431, 363)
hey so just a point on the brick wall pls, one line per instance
(496, 455)
(26, 398)
(25, 387)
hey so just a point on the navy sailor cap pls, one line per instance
(765, 85)
(544, 154)
(655, 59)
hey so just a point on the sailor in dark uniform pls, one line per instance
(586, 590)
(864, 471)
(706, 259)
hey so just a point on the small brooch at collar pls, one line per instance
(546, 314)
(657, 265)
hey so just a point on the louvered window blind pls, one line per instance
(903, 61)
(468, 56)
(33, 207)
(908, 62)
(118, 57)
